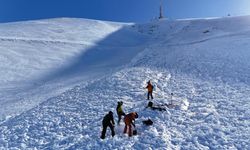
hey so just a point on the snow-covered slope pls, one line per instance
(35, 53)
(63, 75)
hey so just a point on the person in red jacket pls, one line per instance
(150, 90)
(129, 121)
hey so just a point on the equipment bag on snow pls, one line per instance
(148, 122)
(135, 132)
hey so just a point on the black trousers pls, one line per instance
(104, 129)
(150, 94)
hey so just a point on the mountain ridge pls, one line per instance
(70, 87)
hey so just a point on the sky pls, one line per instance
(119, 10)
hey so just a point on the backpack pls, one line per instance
(148, 122)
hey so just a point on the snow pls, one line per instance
(59, 77)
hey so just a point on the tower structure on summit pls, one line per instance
(161, 9)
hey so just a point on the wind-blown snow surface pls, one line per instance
(64, 75)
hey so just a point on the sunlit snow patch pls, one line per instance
(179, 103)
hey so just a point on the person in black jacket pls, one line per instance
(108, 121)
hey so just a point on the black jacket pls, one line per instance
(108, 119)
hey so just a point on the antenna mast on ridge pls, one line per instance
(161, 10)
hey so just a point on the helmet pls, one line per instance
(150, 104)
(135, 114)
(110, 113)
(119, 103)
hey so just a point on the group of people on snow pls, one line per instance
(129, 119)
(108, 121)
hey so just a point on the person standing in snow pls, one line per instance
(119, 111)
(108, 121)
(150, 90)
(171, 98)
(129, 120)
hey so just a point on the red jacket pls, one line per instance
(150, 87)
(129, 118)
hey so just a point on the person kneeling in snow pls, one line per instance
(150, 105)
(108, 121)
(119, 111)
(129, 120)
